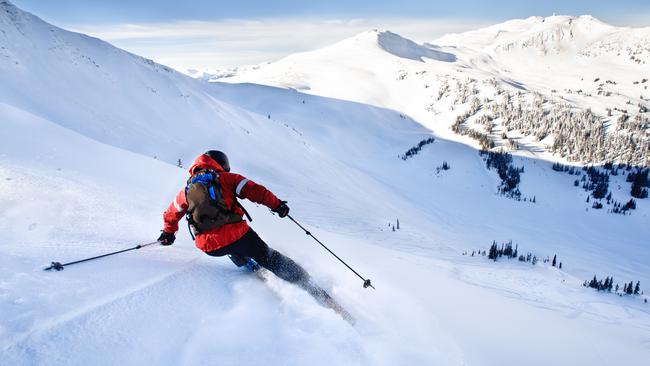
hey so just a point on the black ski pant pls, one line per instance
(252, 246)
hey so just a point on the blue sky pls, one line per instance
(120, 11)
(203, 34)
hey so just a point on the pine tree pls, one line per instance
(397, 224)
(493, 254)
(630, 288)
(179, 163)
(507, 250)
(637, 288)
(639, 180)
(560, 265)
(554, 260)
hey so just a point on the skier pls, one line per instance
(210, 202)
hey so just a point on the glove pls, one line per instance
(282, 210)
(166, 238)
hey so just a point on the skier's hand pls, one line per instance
(282, 210)
(166, 238)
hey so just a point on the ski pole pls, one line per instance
(366, 282)
(59, 267)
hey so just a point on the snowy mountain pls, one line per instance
(583, 36)
(579, 63)
(91, 139)
(555, 34)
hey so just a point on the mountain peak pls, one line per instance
(550, 34)
(399, 46)
(8, 6)
(585, 20)
(370, 35)
(12, 11)
(556, 19)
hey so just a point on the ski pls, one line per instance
(321, 296)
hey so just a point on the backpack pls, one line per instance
(207, 208)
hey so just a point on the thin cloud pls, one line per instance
(205, 45)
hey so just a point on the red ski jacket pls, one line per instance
(232, 185)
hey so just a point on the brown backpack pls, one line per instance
(207, 208)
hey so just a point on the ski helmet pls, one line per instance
(220, 158)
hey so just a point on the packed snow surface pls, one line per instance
(91, 139)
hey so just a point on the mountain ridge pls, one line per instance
(553, 35)
(565, 60)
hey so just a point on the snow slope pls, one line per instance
(82, 123)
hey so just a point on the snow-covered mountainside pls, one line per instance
(524, 81)
(91, 139)
(556, 35)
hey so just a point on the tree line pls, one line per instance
(608, 285)
(417, 148)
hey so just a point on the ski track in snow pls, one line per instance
(124, 322)
(606, 311)
(60, 321)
